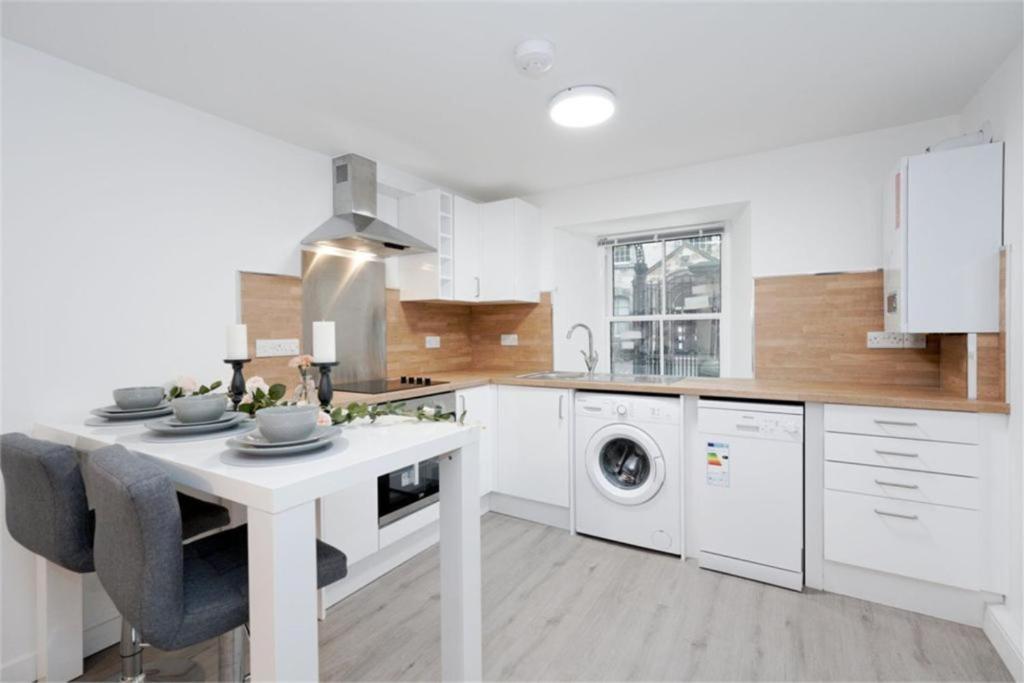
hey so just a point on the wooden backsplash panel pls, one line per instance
(470, 336)
(813, 328)
(271, 309)
(533, 324)
(408, 325)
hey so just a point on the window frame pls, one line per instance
(663, 236)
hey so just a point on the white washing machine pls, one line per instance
(627, 469)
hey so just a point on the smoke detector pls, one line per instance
(535, 57)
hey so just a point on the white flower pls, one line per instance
(429, 411)
(188, 385)
(323, 419)
(254, 383)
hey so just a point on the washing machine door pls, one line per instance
(625, 464)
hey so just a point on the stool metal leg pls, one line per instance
(231, 651)
(131, 654)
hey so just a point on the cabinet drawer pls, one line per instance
(928, 425)
(928, 542)
(922, 487)
(911, 454)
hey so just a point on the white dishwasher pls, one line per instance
(751, 494)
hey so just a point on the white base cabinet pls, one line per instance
(478, 403)
(534, 440)
(904, 494)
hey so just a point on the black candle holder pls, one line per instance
(236, 390)
(325, 390)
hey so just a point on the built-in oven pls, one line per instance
(410, 489)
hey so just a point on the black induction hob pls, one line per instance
(383, 386)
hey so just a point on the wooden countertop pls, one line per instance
(774, 390)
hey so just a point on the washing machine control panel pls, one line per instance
(627, 407)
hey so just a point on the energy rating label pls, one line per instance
(718, 464)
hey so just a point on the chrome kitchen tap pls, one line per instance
(590, 356)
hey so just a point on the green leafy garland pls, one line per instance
(178, 392)
(353, 411)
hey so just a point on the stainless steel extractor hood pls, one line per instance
(354, 225)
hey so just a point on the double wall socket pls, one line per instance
(510, 340)
(276, 347)
(895, 340)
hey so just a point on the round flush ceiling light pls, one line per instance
(582, 106)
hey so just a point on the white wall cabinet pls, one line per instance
(485, 252)
(943, 231)
(479, 405)
(533, 444)
(430, 216)
(511, 251)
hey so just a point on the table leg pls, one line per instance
(461, 614)
(58, 622)
(282, 594)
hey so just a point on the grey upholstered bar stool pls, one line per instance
(48, 513)
(176, 596)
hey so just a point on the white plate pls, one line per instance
(257, 440)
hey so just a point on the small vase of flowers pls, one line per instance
(305, 392)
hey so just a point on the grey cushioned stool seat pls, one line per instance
(47, 509)
(176, 596)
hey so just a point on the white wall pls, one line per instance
(997, 106)
(126, 217)
(811, 208)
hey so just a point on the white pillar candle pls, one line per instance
(238, 343)
(323, 342)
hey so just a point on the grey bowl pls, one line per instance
(136, 398)
(203, 408)
(287, 423)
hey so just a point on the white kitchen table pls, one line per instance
(280, 497)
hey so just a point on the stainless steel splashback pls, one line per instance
(351, 293)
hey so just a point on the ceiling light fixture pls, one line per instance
(582, 106)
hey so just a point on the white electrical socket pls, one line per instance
(433, 342)
(510, 340)
(895, 340)
(276, 347)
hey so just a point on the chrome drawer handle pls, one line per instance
(896, 423)
(897, 485)
(902, 455)
(894, 514)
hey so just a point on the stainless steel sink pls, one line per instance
(553, 375)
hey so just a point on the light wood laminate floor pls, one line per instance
(561, 607)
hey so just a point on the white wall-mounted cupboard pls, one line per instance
(485, 252)
(511, 249)
(430, 216)
(942, 235)
(534, 440)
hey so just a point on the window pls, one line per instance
(665, 305)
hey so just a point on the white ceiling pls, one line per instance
(430, 87)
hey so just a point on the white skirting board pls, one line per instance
(945, 602)
(1005, 636)
(532, 511)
